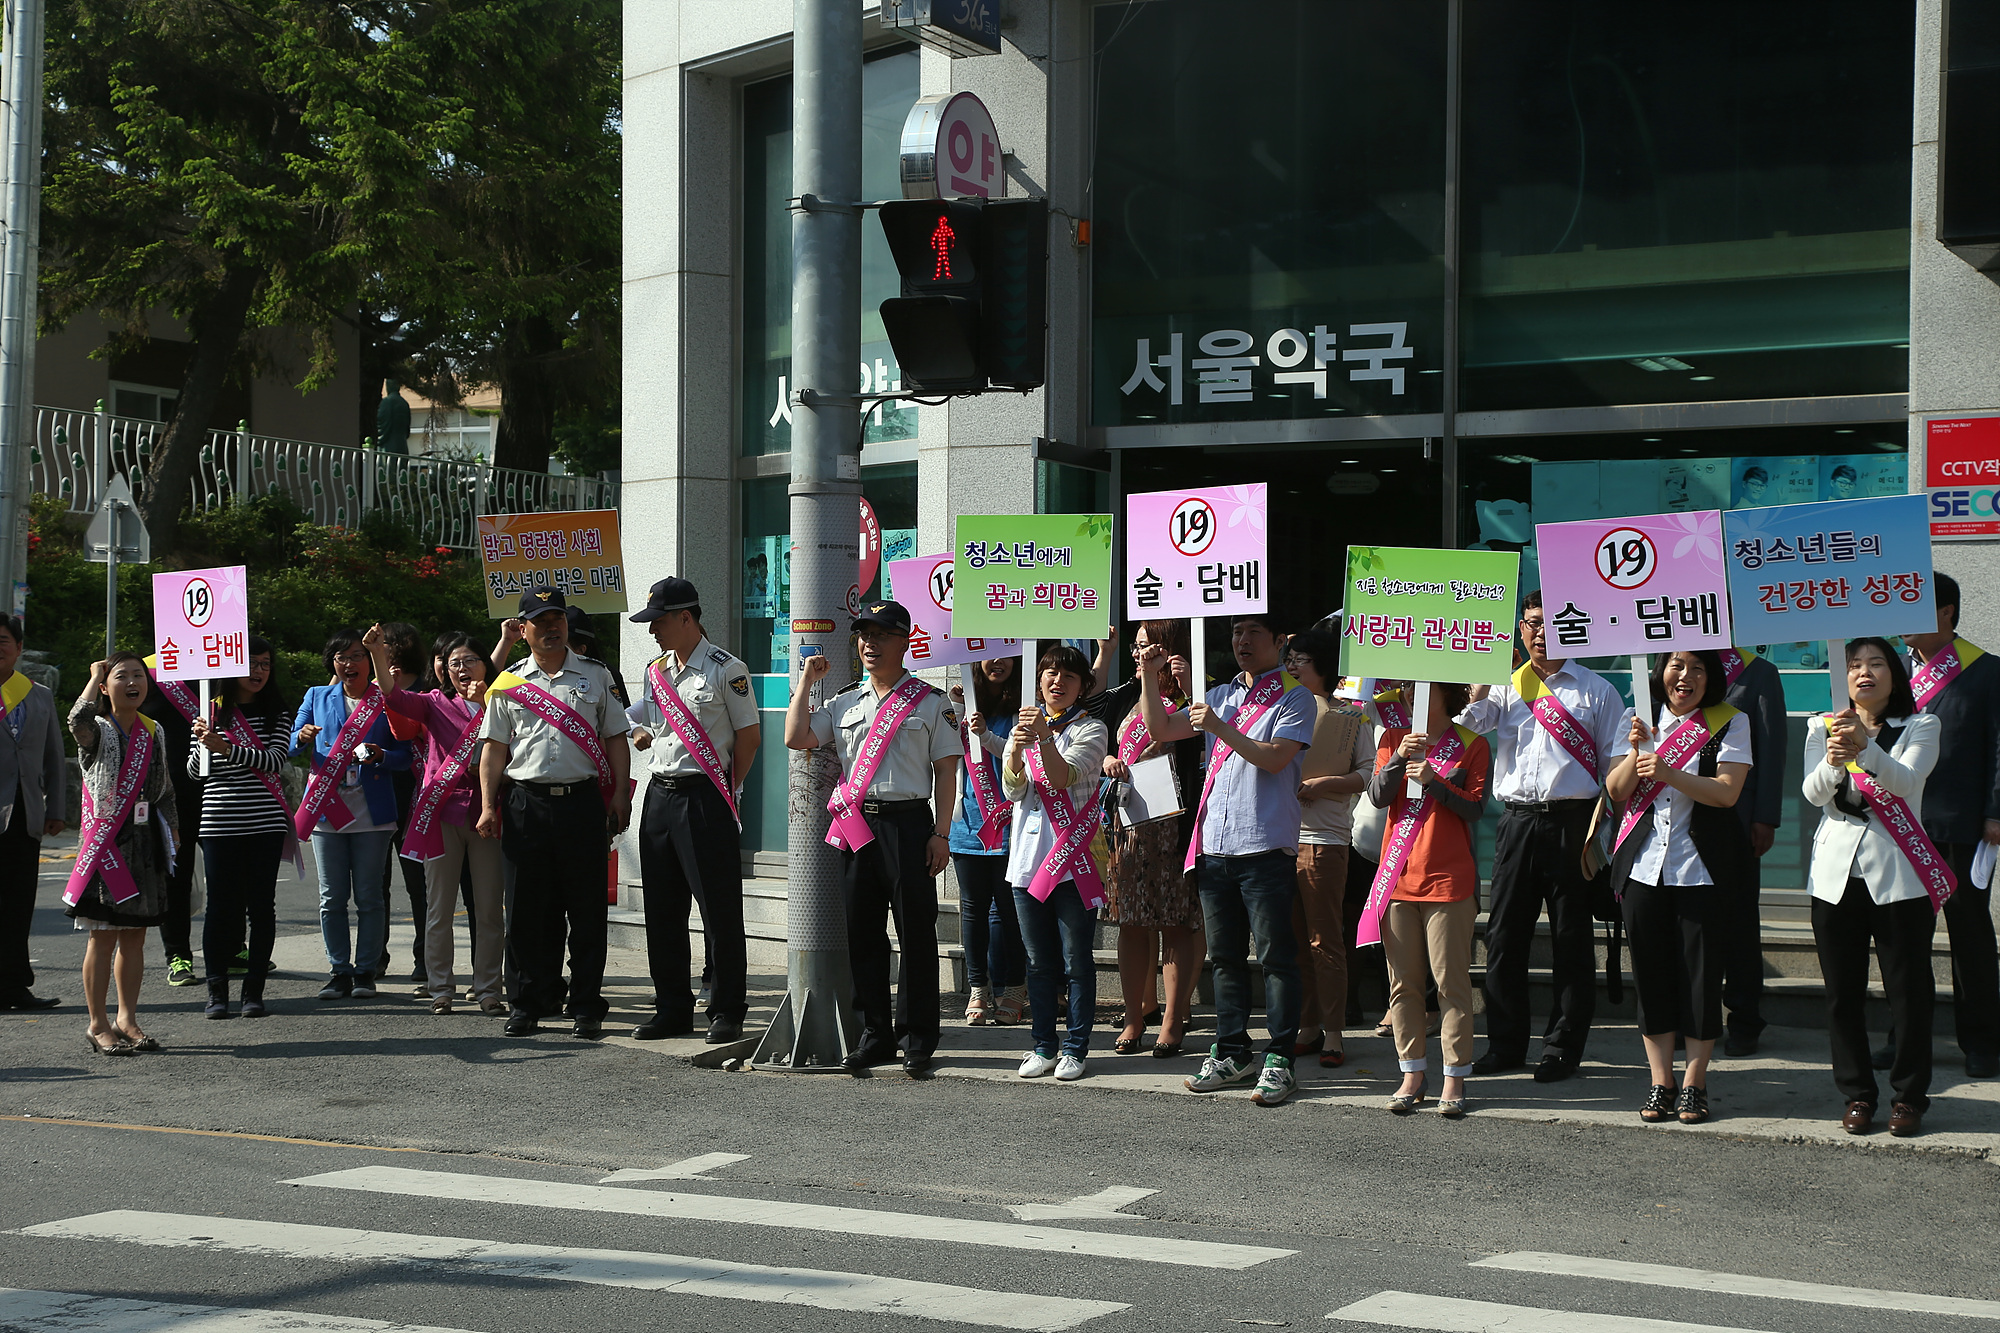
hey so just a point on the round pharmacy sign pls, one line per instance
(950, 150)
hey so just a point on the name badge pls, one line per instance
(142, 812)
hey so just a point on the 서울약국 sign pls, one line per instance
(1032, 576)
(1421, 613)
(1831, 570)
(577, 554)
(1225, 363)
(1196, 553)
(923, 585)
(1634, 585)
(201, 624)
(1962, 477)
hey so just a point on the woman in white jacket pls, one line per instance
(1050, 772)
(1871, 864)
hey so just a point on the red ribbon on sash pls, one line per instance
(425, 840)
(1070, 858)
(1443, 757)
(1265, 693)
(850, 831)
(97, 848)
(686, 726)
(324, 784)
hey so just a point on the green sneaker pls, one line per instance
(240, 965)
(1276, 1082)
(180, 971)
(1218, 1071)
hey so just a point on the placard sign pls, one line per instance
(923, 585)
(1419, 613)
(201, 624)
(578, 554)
(1962, 477)
(1032, 576)
(1832, 570)
(1196, 552)
(1634, 585)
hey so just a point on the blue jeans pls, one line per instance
(1243, 896)
(1058, 934)
(988, 929)
(350, 867)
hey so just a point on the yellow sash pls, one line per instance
(13, 690)
(1968, 652)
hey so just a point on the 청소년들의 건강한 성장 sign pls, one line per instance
(1835, 569)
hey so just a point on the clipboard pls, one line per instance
(1150, 792)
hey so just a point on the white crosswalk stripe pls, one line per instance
(801, 1216)
(1446, 1314)
(612, 1268)
(68, 1312)
(688, 1169)
(1695, 1279)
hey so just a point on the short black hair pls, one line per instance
(449, 643)
(13, 625)
(1062, 657)
(337, 643)
(404, 646)
(1271, 620)
(1902, 700)
(1944, 588)
(1322, 648)
(1531, 602)
(1714, 687)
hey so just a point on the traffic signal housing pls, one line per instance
(974, 308)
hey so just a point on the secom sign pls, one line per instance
(1962, 476)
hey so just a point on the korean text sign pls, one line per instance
(923, 585)
(201, 624)
(1417, 613)
(1196, 552)
(1831, 570)
(1962, 477)
(1620, 586)
(577, 554)
(1032, 576)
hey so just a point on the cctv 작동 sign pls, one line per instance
(1962, 477)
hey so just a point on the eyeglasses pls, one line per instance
(358, 659)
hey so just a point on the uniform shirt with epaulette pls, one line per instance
(929, 733)
(538, 751)
(716, 689)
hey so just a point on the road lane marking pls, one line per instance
(1105, 1203)
(1736, 1284)
(798, 1216)
(688, 1169)
(818, 1288)
(69, 1312)
(203, 1133)
(1446, 1314)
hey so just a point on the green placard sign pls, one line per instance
(1419, 613)
(1031, 576)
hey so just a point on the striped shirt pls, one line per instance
(235, 801)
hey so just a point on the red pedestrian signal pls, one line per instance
(942, 239)
(974, 301)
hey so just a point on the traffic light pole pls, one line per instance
(814, 1026)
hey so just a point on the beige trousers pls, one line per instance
(1443, 932)
(462, 843)
(1319, 923)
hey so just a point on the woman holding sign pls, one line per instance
(996, 962)
(1681, 856)
(1875, 875)
(125, 852)
(1050, 773)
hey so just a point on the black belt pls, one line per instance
(894, 807)
(683, 781)
(558, 788)
(1548, 807)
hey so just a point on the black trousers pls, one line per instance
(888, 878)
(20, 865)
(1902, 933)
(1676, 957)
(1537, 859)
(1975, 957)
(690, 853)
(177, 927)
(556, 846)
(1739, 930)
(242, 889)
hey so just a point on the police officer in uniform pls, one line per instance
(908, 808)
(558, 822)
(690, 849)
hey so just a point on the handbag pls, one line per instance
(1604, 904)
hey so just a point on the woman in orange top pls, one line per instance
(1436, 894)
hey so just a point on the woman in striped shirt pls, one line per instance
(246, 827)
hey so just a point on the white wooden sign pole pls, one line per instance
(1031, 689)
(1427, 722)
(1642, 698)
(1836, 675)
(204, 718)
(1197, 659)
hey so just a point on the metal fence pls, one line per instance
(335, 484)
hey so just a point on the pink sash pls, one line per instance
(1556, 719)
(1930, 679)
(1070, 859)
(1133, 738)
(1391, 710)
(239, 734)
(322, 789)
(425, 841)
(97, 850)
(1893, 812)
(1265, 693)
(994, 809)
(565, 719)
(850, 831)
(182, 698)
(1733, 662)
(1443, 757)
(1682, 744)
(674, 709)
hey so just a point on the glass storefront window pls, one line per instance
(1268, 216)
(1685, 203)
(888, 89)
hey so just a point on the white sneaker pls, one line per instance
(1069, 1068)
(1275, 1083)
(1036, 1065)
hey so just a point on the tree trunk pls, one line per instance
(217, 331)
(527, 429)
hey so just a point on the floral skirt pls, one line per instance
(1148, 888)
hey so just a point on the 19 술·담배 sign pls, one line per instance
(1420, 613)
(1032, 576)
(1645, 584)
(201, 624)
(923, 585)
(1832, 570)
(1196, 552)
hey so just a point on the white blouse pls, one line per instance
(1669, 856)
(1847, 846)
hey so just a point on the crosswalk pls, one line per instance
(1109, 1258)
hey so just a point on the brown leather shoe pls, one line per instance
(1905, 1120)
(1860, 1118)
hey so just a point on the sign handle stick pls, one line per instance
(1031, 692)
(1836, 675)
(1642, 702)
(205, 718)
(1428, 722)
(1198, 658)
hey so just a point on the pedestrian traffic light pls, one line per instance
(974, 305)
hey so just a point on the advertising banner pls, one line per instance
(923, 586)
(1831, 570)
(1196, 552)
(1623, 586)
(1962, 477)
(1420, 613)
(201, 624)
(1033, 576)
(576, 553)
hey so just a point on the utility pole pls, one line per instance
(814, 1026)
(21, 133)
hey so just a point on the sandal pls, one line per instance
(1659, 1102)
(1013, 1004)
(1693, 1105)
(979, 1007)
(140, 1043)
(119, 1047)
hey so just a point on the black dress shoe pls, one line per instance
(1737, 1045)
(660, 1026)
(859, 1062)
(917, 1062)
(1883, 1056)
(522, 1023)
(588, 1026)
(1555, 1067)
(723, 1030)
(29, 1000)
(1497, 1062)
(1981, 1066)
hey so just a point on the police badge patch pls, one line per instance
(741, 685)
(950, 718)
